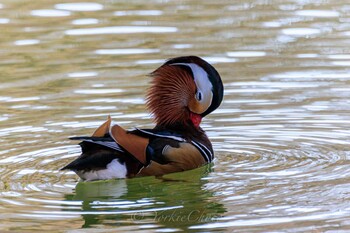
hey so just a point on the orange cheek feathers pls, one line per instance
(197, 107)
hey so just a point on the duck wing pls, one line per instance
(103, 158)
(112, 152)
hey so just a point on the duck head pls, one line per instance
(183, 91)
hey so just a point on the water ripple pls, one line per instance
(246, 54)
(79, 6)
(121, 30)
(140, 13)
(50, 13)
(20, 129)
(125, 51)
(82, 74)
(300, 31)
(4, 20)
(215, 60)
(318, 13)
(27, 42)
(86, 21)
(98, 91)
(280, 137)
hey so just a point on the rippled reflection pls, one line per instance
(121, 30)
(318, 13)
(85, 21)
(4, 21)
(125, 51)
(142, 12)
(81, 6)
(26, 42)
(50, 13)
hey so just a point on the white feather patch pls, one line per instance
(114, 170)
(203, 84)
(200, 77)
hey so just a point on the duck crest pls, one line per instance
(171, 89)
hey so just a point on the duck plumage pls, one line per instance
(182, 92)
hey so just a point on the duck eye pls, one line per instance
(199, 96)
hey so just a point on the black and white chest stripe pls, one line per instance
(206, 153)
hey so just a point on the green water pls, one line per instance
(281, 136)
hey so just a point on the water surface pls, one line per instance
(281, 136)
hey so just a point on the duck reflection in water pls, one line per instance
(178, 201)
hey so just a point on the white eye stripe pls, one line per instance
(201, 78)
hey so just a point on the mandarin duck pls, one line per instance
(183, 91)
